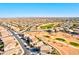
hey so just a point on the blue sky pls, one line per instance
(39, 9)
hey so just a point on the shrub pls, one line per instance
(1, 46)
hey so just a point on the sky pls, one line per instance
(39, 9)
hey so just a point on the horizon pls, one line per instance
(39, 17)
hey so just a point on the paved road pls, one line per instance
(20, 42)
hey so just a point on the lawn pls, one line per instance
(74, 44)
(47, 26)
(60, 39)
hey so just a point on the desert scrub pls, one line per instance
(46, 36)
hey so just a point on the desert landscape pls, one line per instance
(39, 36)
